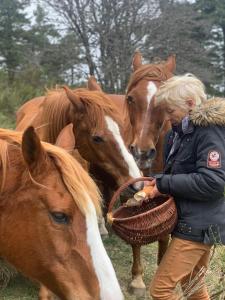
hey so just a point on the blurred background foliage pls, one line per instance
(44, 43)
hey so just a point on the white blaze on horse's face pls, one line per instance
(151, 91)
(108, 283)
(113, 127)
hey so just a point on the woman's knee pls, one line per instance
(155, 291)
(159, 291)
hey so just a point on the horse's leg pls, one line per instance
(45, 294)
(162, 247)
(137, 284)
(102, 228)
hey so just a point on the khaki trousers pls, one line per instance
(181, 264)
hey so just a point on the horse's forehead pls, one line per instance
(145, 91)
(113, 126)
(151, 90)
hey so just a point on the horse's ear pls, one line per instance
(74, 98)
(171, 63)
(92, 84)
(66, 139)
(137, 60)
(33, 152)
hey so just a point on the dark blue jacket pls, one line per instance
(195, 174)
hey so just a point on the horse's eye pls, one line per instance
(60, 217)
(130, 99)
(97, 139)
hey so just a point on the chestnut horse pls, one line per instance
(145, 127)
(48, 223)
(98, 130)
(149, 126)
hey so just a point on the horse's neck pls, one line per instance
(158, 163)
(28, 112)
(75, 153)
(104, 181)
(50, 126)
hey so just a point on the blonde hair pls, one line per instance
(178, 89)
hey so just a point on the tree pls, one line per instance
(214, 11)
(13, 24)
(40, 54)
(179, 30)
(109, 31)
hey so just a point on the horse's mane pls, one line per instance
(78, 182)
(56, 110)
(97, 105)
(151, 72)
(54, 114)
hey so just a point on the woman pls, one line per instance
(194, 175)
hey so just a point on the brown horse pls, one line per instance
(98, 130)
(148, 121)
(149, 126)
(48, 223)
(145, 127)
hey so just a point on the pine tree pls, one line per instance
(13, 24)
(214, 10)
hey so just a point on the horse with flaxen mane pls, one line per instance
(48, 223)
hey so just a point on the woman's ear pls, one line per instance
(190, 103)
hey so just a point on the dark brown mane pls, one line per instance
(151, 72)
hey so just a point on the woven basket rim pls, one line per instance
(170, 199)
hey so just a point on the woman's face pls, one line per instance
(175, 114)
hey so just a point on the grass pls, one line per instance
(120, 253)
(7, 121)
(19, 288)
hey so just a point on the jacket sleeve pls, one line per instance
(207, 181)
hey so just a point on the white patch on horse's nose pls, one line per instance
(129, 159)
(108, 283)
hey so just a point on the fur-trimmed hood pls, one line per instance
(210, 112)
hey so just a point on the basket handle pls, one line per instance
(123, 187)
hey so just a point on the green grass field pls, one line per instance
(120, 254)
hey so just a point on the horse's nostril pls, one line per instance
(150, 154)
(132, 148)
(134, 151)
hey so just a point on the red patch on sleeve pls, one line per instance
(214, 159)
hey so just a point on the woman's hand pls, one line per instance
(154, 191)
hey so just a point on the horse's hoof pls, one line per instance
(138, 292)
(137, 287)
(104, 232)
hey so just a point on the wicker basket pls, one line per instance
(140, 225)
